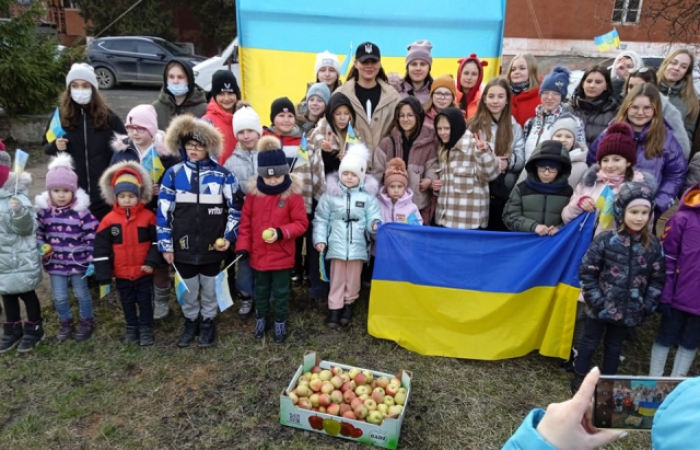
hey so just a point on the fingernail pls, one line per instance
(595, 369)
(623, 435)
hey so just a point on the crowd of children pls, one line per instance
(185, 195)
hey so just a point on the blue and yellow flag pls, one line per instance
(604, 204)
(303, 150)
(180, 288)
(104, 290)
(55, 130)
(477, 294)
(346, 63)
(608, 41)
(350, 137)
(153, 165)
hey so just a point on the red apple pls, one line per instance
(304, 403)
(378, 395)
(382, 382)
(337, 371)
(323, 399)
(348, 396)
(360, 411)
(315, 385)
(345, 408)
(316, 369)
(354, 402)
(333, 409)
(353, 372)
(327, 387)
(360, 379)
(373, 384)
(348, 386)
(392, 389)
(349, 415)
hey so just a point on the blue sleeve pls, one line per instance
(527, 437)
(164, 212)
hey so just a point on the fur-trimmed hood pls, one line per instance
(25, 180)
(590, 177)
(122, 142)
(295, 188)
(187, 125)
(127, 166)
(81, 201)
(370, 185)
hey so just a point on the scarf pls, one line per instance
(274, 190)
(613, 181)
(517, 88)
(546, 188)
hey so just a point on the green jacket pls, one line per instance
(195, 104)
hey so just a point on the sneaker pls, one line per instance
(132, 335)
(246, 307)
(333, 318)
(280, 331)
(85, 330)
(33, 335)
(12, 335)
(65, 330)
(187, 336)
(207, 333)
(146, 336)
(346, 315)
(260, 328)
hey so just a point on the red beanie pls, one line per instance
(618, 140)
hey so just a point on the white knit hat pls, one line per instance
(355, 161)
(246, 119)
(326, 59)
(82, 71)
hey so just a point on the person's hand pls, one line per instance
(61, 144)
(326, 144)
(542, 230)
(376, 225)
(169, 257)
(588, 205)
(424, 184)
(156, 189)
(320, 247)
(622, 70)
(16, 205)
(568, 425)
(243, 254)
(222, 248)
(503, 161)
(553, 230)
(146, 269)
(437, 185)
(273, 239)
(481, 144)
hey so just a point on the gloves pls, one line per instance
(243, 254)
(238, 199)
(665, 310)
(90, 270)
(15, 205)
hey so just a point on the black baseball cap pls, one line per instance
(367, 50)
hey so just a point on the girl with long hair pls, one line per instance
(594, 102)
(524, 81)
(676, 81)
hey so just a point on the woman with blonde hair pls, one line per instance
(521, 73)
(676, 81)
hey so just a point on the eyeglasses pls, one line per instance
(406, 116)
(135, 129)
(545, 169)
(194, 146)
(442, 94)
(551, 94)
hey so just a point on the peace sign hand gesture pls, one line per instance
(481, 144)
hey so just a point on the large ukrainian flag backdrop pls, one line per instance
(279, 39)
(477, 294)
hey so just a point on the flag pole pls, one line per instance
(180, 276)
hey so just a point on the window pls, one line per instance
(147, 48)
(69, 4)
(627, 11)
(120, 45)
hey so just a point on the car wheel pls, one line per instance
(105, 78)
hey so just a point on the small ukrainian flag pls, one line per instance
(55, 130)
(180, 288)
(608, 41)
(351, 137)
(303, 150)
(604, 203)
(152, 163)
(104, 290)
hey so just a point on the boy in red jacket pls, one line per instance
(125, 246)
(273, 217)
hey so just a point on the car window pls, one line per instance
(172, 48)
(147, 48)
(120, 45)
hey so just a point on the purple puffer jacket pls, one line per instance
(668, 170)
(681, 241)
(69, 230)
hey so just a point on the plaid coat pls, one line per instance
(465, 172)
(312, 173)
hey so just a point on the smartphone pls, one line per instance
(629, 402)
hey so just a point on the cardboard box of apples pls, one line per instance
(348, 402)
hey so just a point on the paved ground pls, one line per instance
(121, 100)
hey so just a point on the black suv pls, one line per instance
(133, 59)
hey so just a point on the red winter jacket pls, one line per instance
(524, 105)
(285, 212)
(222, 121)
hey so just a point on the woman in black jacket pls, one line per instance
(594, 102)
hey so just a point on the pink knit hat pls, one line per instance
(60, 174)
(420, 50)
(143, 116)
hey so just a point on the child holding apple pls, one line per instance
(66, 235)
(197, 220)
(273, 218)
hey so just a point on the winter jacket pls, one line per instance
(90, 150)
(472, 106)
(668, 170)
(526, 436)
(243, 164)
(595, 115)
(693, 175)
(196, 201)
(70, 230)
(525, 104)
(674, 96)
(405, 89)
(20, 269)
(539, 127)
(223, 121)
(382, 118)
(195, 102)
(528, 207)
(673, 117)
(681, 241)
(284, 212)
(345, 217)
(331, 159)
(403, 211)
(516, 162)
(422, 161)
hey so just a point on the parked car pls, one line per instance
(205, 69)
(133, 59)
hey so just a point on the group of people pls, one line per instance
(187, 186)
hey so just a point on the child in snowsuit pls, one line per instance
(396, 198)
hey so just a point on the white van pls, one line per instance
(205, 70)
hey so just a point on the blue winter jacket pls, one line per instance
(527, 437)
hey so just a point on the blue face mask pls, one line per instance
(178, 89)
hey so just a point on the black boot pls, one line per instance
(12, 334)
(146, 336)
(333, 318)
(85, 330)
(346, 315)
(207, 333)
(187, 336)
(260, 328)
(569, 365)
(33, 334)
(132, 335)
(280, 331)
(576, 382)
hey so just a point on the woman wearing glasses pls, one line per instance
(594, 102)
(442, 95)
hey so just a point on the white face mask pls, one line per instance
(81, 96)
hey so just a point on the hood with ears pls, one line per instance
(121, 142)
(187, 125)
(480, 65)
(81, 201)
(132, 167)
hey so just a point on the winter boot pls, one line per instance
(576, 382)
(161, 297)
(280, 331)
(346, 315)
(207, 333)
(568, 366)
(146, 336)
(187, 336)
(85, 330)
(33, 334)
(12, 335)
(260, 328)
(333, 318)
(132, 335)
(65, 331)
(246, 307)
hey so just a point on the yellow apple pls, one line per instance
(45, 249)
(219, 242)
(268, 234)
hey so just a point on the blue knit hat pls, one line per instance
(271, 158)
(557, 80)
(320, 90)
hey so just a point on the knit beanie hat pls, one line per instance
(319, 90)
(126, 182)
(326, 59)
(566, 122)
(281, 105)
(144, 116)
(82, 71)
(632, 193)
(618, 140)
(445, 81)
(224, 81)
(557, 80)
(60, 174)
(246, 119)
(395, 171)
(420, 50)
(355, 161)
(271, 158)
(5, 164)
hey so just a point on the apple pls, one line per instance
(337, 371)
(348, 386)
(302, 390)
(370, 404)
(346, 429)
(314, 409)
(375, 417)
(348, 396)
(354, 402)
(382, 408)
(369, 376)
(373, 384)
(268, 234)
(315, 385)
(345, 377)
(219, 243)
(404, 390)
(353, 372)
(316, 369)
(382, 382)
(392, 389)
(345, 408)
(389, 400)
(349, 415)
(395, 381)
(314, 400)
(325, 375)
(303, 380)
(333, 409)
(360, 379)
(305, 403)
(360, 411)
(378, 395)
(364, 397)
(323, 399)
(45, 249)
(395, 410)
(327, 387)
(337, 397)
(314, 376)
(400, 398)
(336, 381)
(361, 390)
(293, 397)
(322, 409)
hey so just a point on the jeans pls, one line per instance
(135, 293)
(592, 334)
(59, 287)
(681, 328)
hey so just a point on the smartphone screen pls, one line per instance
(630, 402)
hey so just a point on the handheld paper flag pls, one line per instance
(21, 158)
(105, 289)
(152, 163)
(351, 137)
(322, 267)
(303, 150)
(55, 130)
(180, 287)
(346, 63)
(608, 41)
(223, 293)
(604, 203)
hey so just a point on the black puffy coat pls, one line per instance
(595, 115)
